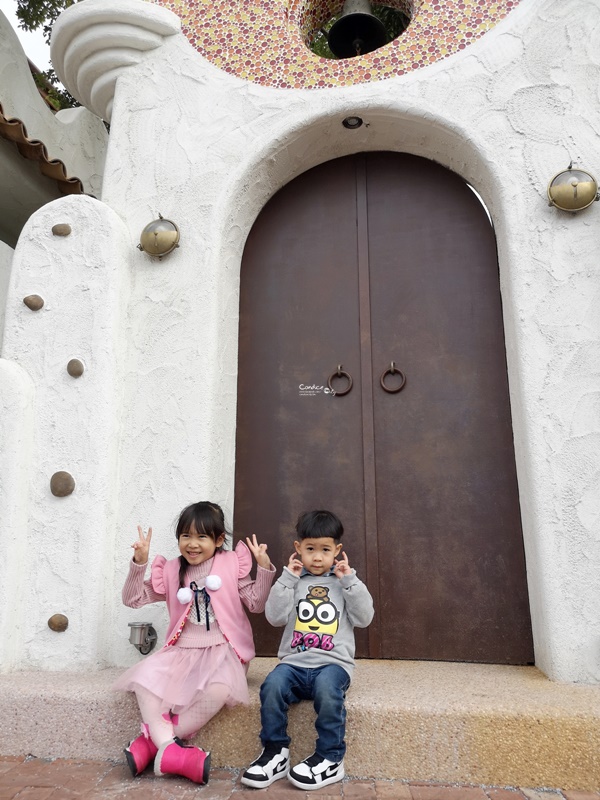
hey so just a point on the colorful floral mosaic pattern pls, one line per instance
(264, 41)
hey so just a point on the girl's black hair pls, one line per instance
(319, 525)
(206, 518)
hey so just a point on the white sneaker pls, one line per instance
(271, 765)
(315, 772)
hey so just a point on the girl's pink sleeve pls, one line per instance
(157, 574)
(253, 594)
(244, 557)
(137, 592)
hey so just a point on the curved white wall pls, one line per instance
(63, 545)
(207, 150)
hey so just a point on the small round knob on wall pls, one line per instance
(34, 302)
(62, 484)
(62, 229)
(75, 368)
(58, 623)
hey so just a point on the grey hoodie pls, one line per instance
(319, 613)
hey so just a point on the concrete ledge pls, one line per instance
(407, 720)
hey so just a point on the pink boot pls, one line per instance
(140, 753)
(176, 758)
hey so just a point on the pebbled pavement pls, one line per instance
(30, 778)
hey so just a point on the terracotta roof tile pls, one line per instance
(14, 130)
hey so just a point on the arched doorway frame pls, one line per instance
(296, 147)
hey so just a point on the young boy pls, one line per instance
(320, 600)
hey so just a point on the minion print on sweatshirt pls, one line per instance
(319, 613)
(317, 621)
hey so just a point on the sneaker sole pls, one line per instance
(131, 763)
(309, 787)
(258, 784)
(206, 769)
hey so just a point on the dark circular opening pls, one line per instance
(357, 30)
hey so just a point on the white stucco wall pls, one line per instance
(6, 254)
(59, 549)
(207, 150)
(17, 397)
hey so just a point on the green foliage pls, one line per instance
(395, 23)
(35, 14)
(55, 95)
(320, 45)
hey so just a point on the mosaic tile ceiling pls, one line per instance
(264, 41)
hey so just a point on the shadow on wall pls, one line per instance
(6, 254)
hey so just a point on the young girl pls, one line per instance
(203, 664)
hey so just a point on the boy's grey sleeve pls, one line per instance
(280, 602)
(359, 603)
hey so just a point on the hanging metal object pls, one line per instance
(340, 373)
(357, 31)
(392, 370)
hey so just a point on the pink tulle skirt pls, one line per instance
(179, 675)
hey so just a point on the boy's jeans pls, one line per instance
(326, 686)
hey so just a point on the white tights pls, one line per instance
(164, 725)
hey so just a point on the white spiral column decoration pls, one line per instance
(95, 41)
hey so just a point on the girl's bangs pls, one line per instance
(206, 518)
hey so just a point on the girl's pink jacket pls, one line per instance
(230, 566)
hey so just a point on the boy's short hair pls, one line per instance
(319, 525)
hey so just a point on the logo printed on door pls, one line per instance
(314, 389)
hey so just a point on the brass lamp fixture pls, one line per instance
(572, 189)
(159, 238)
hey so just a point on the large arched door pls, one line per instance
(361, 262)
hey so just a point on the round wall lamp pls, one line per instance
(159, 238)
(352, 123)
(572, 190)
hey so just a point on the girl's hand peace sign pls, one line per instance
(259, 551)
(141, 547)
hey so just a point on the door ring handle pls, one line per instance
(340, 373)
(391, 370)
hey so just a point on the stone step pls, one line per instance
(408, 720)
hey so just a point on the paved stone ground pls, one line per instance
(61, 779)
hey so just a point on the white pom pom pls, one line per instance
(213, 582)
(184, 595)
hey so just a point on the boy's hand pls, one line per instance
(259, 551)
(294, 564)
(342, 567)
(141, 548)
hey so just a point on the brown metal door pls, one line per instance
(363, 261)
